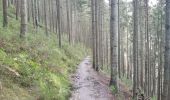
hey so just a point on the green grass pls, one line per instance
(126, 81)
(43, 67)
(154, 98)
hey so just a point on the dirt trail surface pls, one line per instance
(88, 85)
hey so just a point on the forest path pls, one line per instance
(88, 85)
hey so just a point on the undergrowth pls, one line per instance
(35, 69)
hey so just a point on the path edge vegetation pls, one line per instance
(32, 65)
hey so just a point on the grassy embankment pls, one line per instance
(35, 68)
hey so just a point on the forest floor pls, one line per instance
(89, 85)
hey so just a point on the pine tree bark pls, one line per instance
(93, 31)
(17, 8)
(135, 36)
(45, 18)
(59, 21)
(166, 91)
(97, 35)
(36, 13)
(114, 42)
(119, 44)
(68, 20)
(5, 15)
(23, 19)
(146, 50)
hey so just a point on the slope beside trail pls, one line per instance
(88, 84)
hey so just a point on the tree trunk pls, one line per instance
(135, 36)
(17, 9)
(114, 42)
(93, 32)
(68, 20)
(166, 91)
(23, 18)
(5, 15)
(59, 21)
(45, 18)
(97, 35)
(119, 44)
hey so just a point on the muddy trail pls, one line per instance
(88, 84)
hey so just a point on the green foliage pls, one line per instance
(42, 66)
(2, 55)
(126, 81)
(12, 91)
(154, 98)
(113, 89)
(47, 69)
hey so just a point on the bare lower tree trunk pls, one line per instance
(147, 50)
(93, 31)
(28, 11)
(17, 9)
(135, 35)
(23, 18)
(119, 44)
(36, 13)
(114, 42)
(5, 15)
(97, 35)
(59, 21)
(166, 91)
(45, 18)
(68, 20)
